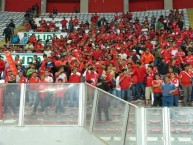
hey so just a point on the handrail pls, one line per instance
(112, 95)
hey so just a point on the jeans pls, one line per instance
(134, 91)
(176, 98)
(32, 96)
(10, 100)
(44, 103)
(140, 85)
(112, 91)
(125, 94)
(168, 101)
(118, 93)
(59, 105)
(74, 99)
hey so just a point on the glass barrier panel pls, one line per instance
(109, 119)
(154, 126)
(131, 135)
(51, 104)
(181, 126)
(9, 103)
(89, 98)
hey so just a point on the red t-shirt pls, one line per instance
(149, 79)
(185, 78)
(23, 80)
(92, 78)
(176, 83)
(126, 82)
(141, 71)
(75, 78)
(189, 59)
(157, 89)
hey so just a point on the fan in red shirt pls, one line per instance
(97, 53)
(76, 21)
(157, 89)
(38, 47)
(125, 84)
(75, 76)
(140, 71)
(33, 39)
(64, 22)
(94, 18)
(166, 54)
(148, 88)
(189, 59)
(92, 77)
(34, 80)
(42, 21)
(20, 78)
(186, 83)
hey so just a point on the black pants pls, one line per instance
(157, 99)
(103, 104)
(7, 38)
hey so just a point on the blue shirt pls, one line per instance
(166, 88)
(24, 40)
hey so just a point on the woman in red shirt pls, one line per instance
(157, 89)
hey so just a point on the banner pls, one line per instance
(43, 36)
(26, 57)
(11, 62)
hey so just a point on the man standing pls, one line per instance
(8, 33)
(12, 26)
(125, 84)
(168, 90)
(186, 83)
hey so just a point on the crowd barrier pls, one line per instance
(106, 116)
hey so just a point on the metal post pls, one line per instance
(166, 126)
(140, 128)
(125, 122)
(94, 108)
(43, 6)
(82, 109)
(22, 104)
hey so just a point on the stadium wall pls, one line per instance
(96, 5)
(143, 5)
(177, 4)
(105, 6)
(63, 5)
(20, 5)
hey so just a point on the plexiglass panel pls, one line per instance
(89, 98)
(109, 118)
(9, 103)
(181, 126)
(51, 104)
(131, 135)
(154, 126)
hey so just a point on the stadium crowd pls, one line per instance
(126, 57)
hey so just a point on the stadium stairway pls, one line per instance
(18, 29)
(190, 16)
